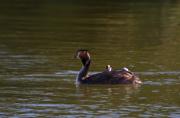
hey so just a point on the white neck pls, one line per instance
(83, 72)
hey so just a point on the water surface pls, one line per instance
(37, 69)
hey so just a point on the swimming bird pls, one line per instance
(108, 76)
(108, 68)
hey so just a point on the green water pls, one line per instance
(38, 40)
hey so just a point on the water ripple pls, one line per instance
(72, 73)
(159, 78)
(159, 73)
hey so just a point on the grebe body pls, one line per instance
(109, 76)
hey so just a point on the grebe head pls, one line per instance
(109, 68)
(83, 55)
(125, 69)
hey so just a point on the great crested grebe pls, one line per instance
(109, 76)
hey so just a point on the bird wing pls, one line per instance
(112, 77)
(123, 75)
(102, 77)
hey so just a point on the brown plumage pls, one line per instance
(109, 76)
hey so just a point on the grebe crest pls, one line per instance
(82, 53)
